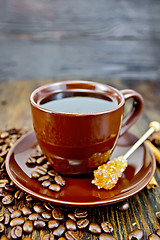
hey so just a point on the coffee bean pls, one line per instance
(48, 237)
(94, 228)
(4, 135)
(46, 184)
(82, 223)
(8, 199)
(71, 216)
(105, 236)
(16, 232)
(57, 214)
(17, 222)
(48, 206)
(35, 174)
(158, 215)
(16, 214)
(47, 215)
(10, 188)
(29, 198)
(38, 208)
(158, 232)
(54, 187)
(59, 231)
(2, 228)
(59, 180)
(62, 238)
(72, 235)
(26, 211)
(28, 226)
(3, 182)
(70, 225)
(80, 213)
(34, 216)
(39, 224)
(44, 178)
(107, 227)
(136, 234)
(19, 194)
(52, 224)
(46, 165)
(123, 206)
(41, 170)
(31, 161)
(36, 154)
(153, 237)
(6, 218)
(41, 160)
(1, 217)
(52, 173)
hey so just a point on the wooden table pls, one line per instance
(15, 112)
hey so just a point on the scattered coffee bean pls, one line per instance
(94, 228)
(54, 187)
(59, 231)
(26, 211)
(158, 232)
(71, 216)
(28, 226)
(62, 238)
(57, 214)
(59, 180)
(17, 222)
(46, 184)
(6, 218)
(35, 175)
(3, 182)
(38, 208)
(107, 227)
(47, 215)
(1, 217)
(82, 223)
(105, 236)
(19, 195)
(48, 237)
(16, 232)
(72, 235)
(8, 199)
(52, 173)
(136, 234)
(36, 155)
(39, 224)
(44, 178)
(48, 206)
(16, 214)
(153, 237)
(158, 215)
(52, 224)
(2, 228)
(10, 188)
(41, 160)
(4, 135)
(31, 161)
(34, 216)
(80, 213)
(70, 225)
(29, 198)
(123, 206)
(27, 238)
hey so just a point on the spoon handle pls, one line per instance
(153, 127)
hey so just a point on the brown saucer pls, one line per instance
(80, 191)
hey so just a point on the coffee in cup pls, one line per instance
(78, 123)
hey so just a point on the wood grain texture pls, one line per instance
(79, 39)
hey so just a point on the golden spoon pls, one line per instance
(106, 176)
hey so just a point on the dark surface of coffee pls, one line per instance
(78, 102)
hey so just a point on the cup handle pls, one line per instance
(136, 109)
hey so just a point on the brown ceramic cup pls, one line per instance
(77, 143)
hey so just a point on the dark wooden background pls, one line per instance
(79, 39)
